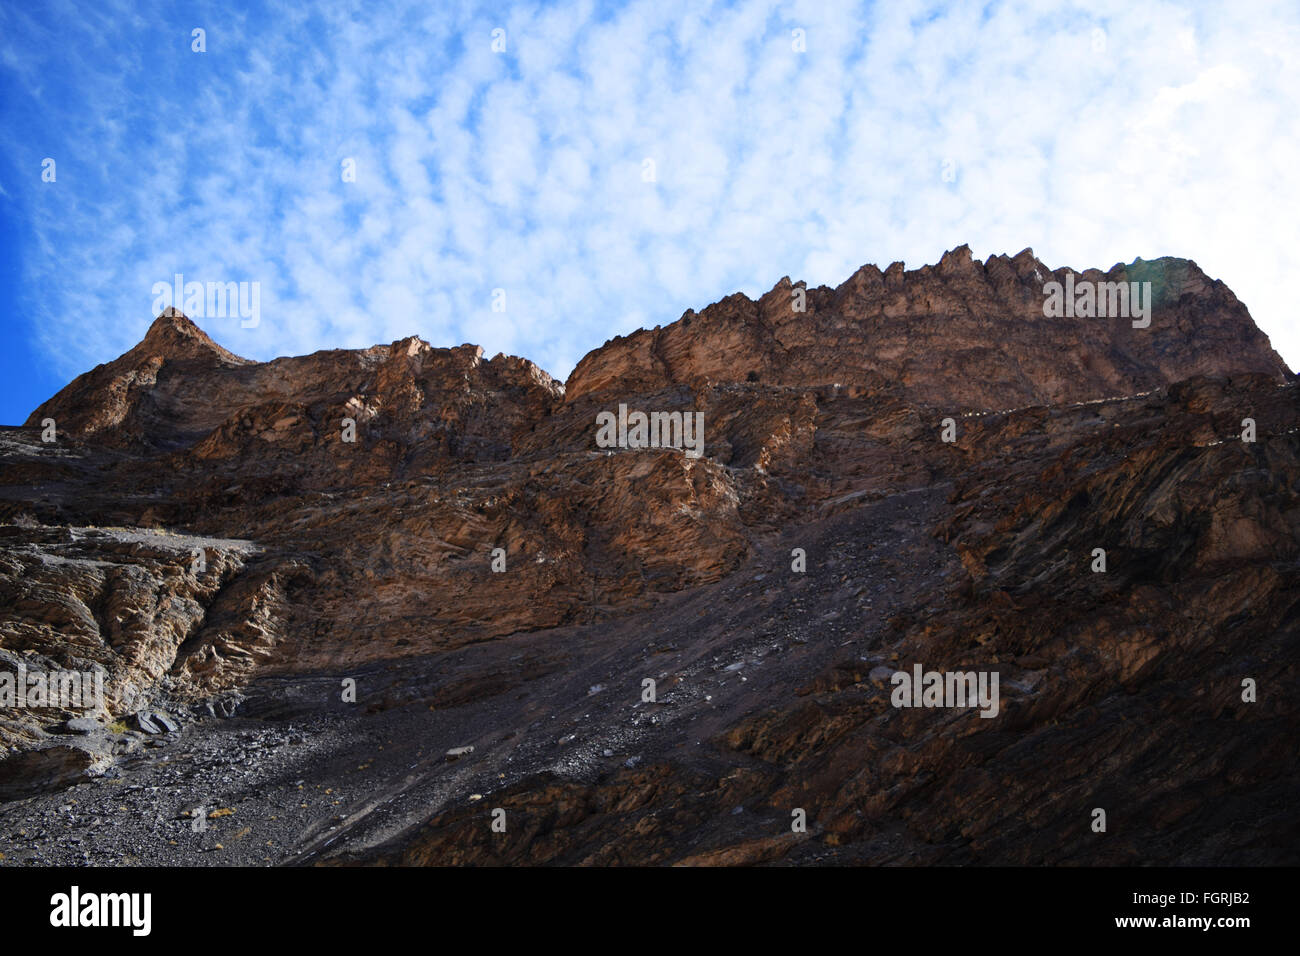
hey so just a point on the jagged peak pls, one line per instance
(174, 335)
(865, 330)
(1025, 257)
(956, 259)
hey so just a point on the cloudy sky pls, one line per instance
(608, 166)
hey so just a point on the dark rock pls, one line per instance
(154, 722)
(82, 725)
(165, 722)
(43, 771)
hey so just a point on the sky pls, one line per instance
(538, 178)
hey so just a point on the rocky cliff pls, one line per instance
(913, 468)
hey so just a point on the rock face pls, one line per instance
(964, 334)
(474, 574)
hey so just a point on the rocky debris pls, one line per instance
(202, 533)
(227, 785)
(154, 722)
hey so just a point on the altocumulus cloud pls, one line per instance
(613, 166)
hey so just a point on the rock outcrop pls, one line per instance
(204, 534)
(963, 335)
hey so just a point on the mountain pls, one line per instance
(487, 572)
(964, 334)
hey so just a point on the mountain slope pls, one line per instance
(489, 576)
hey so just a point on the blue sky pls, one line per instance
(1094, 133)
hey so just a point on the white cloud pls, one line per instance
(1168, 132)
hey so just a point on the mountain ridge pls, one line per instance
(919, 470)
(868, 323)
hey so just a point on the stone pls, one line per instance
(144, 721)
(165, 722)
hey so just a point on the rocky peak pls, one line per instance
(956, 261)
(961, 334)
(174, 335)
